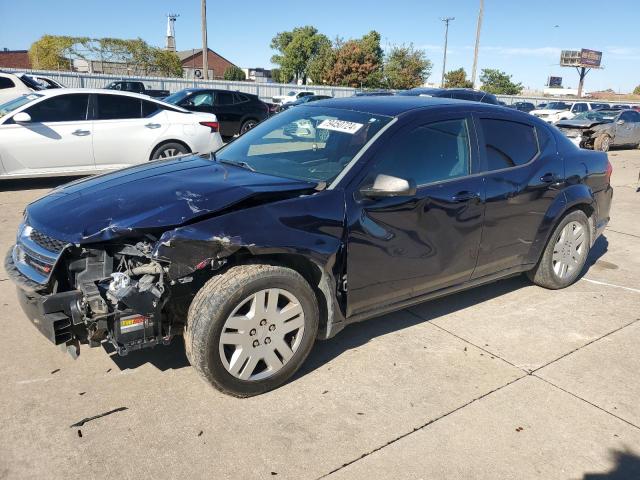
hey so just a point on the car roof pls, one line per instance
(391, 106)
(64, 91)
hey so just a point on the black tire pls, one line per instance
(168, 150)
(215, 302)
(543, 274)
(602, 143)
(248, 125)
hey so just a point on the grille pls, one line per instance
(47, 242)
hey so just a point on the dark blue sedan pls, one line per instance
(324, 215)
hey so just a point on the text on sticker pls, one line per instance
(340, 126)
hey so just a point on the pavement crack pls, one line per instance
(430, 422)
(623, 233)
(586, 401)
(88, 419)
(585, 345)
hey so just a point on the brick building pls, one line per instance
(192, 64)
(14, 59)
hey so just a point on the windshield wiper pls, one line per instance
(244, 165)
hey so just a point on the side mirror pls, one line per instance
(22, 117)
(620, 122)
(389, 186)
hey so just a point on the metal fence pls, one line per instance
(263, 90)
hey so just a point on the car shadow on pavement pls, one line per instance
(599, 248)
(170, 357)
(15, 185)
(627, 466)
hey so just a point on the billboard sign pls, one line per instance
(581, 58)
(590, 58)
(554, 82)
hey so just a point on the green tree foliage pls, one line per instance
(234, 73)
(321, 64)
(296, 49)
(636, 91)
(457, 79)
(498, 82)
(53, 52)
(406, 67)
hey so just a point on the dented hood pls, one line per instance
(152, 197)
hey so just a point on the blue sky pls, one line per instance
(518, 36)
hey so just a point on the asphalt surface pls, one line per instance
(505, 381)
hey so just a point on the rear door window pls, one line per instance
(508, 144)
(224, 98)
(61, 108)
(118, 107)
(6, 83)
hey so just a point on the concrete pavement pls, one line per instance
(504, 381)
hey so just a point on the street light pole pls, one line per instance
(475, 53)
(205, 49)
(446, 38)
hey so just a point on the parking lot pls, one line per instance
(505, 381)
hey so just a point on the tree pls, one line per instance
(321, 64)
(357, 63)
(296, 49)
(406, 67)
(457, 79)
(636, 91)
(234, 73)
(498, 82)
(167, 63)
(53, 52)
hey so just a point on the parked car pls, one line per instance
(303, 100)
(84, 131)
(620, 107)
(373, 93)
(12, 86)
(556, 111)
(457, 93)
(292, 96)
(603, 129)
(45, 82)
(523, 106)
(136, 87)
(254, 252)
(600, 106)
(540, 106)
(237, 112)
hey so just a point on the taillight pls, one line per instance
(214, 126)
(609, 170)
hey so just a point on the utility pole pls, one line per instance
(475, 53)
(446, 38)
(205, 49)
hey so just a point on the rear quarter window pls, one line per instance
(508, 144)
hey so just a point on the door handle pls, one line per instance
(465, 196)
(81, 133)
(153, 125)
(549, 178)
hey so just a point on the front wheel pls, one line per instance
(251, 328)
(566, 253)
(602, 143)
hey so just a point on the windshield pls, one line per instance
(556, 106)
(177, 97)
(30, 82)
(597, 115)
(16, 103)
(305, 143)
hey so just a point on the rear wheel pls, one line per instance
(248, 125)
(251, 328)
(565, 254)
(168, 150)
(602, 143)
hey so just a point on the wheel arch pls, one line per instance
(169, 140)
(575, 197)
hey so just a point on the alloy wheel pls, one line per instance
(569, 250)
(169, 152)
(262, 334)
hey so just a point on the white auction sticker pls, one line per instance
(340, 126)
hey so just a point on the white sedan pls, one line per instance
(84, 131)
